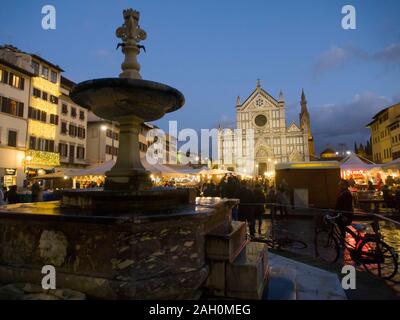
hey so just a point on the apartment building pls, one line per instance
(72, 128)
(102, 139)
(43, 116)
(385, 134)
(14, 100)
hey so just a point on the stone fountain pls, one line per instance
(130, 101)
(130, 240)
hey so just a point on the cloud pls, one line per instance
(346, 122)
(225, 122)
(390, 54)
(337, 57)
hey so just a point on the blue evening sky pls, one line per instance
(215, 50)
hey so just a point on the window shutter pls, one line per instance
(10, 79)
(20, 109)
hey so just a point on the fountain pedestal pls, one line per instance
(146, 255)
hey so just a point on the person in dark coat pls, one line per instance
(12, 195)
(344, 205)
(246, 207)
(259, 208)
(35, 191)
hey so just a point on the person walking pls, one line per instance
(271, 199)
(2, 197)
(259, 208)
(246, 207)
(282, 201)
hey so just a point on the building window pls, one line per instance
(111, 150)
(32, 142)
(44, 95)
(53, 99)
(53, 77)
(81, 133)
(63, 149)
(54, 119)
(37, 93)
(35, 67)
(63, 127)
(73, 112)
(11, 107)
(12, 138)
(72, 130)
(41, 144)
(82, 115)
(16, 81)
(4, 76)
(45, 72)
(36, 114)
(64, 108)
(80, 153)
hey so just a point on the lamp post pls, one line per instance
(102, 128)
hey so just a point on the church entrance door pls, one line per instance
(262, 167)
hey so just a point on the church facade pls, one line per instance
(261, 138)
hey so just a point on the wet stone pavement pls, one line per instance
(303, 229)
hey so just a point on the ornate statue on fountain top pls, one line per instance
(131, 34)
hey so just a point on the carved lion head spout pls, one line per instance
(53, 247)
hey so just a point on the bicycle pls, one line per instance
(368, 249)
(282, 243)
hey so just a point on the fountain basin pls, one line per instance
(118, 98)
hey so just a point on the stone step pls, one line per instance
(247, 275)
(226, 246)
(282, 284)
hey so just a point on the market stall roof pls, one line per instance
(212, 172)
(58, 174)
(354, 162)
(161, 169)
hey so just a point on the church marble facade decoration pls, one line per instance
(261, 138)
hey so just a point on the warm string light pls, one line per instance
(43, 105)
(42, 130)
(46, 85)
(43, 158)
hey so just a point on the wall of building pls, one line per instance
(382, 138)
(72, 132)
(13, 118)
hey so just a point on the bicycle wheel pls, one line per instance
(328, 248)
(378, 258)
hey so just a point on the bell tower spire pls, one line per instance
(305, 123)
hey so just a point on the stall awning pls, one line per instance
(58, 174)
(353, 162)
(157, 169)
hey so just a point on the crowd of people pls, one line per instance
(10, 195)
(255, 195)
